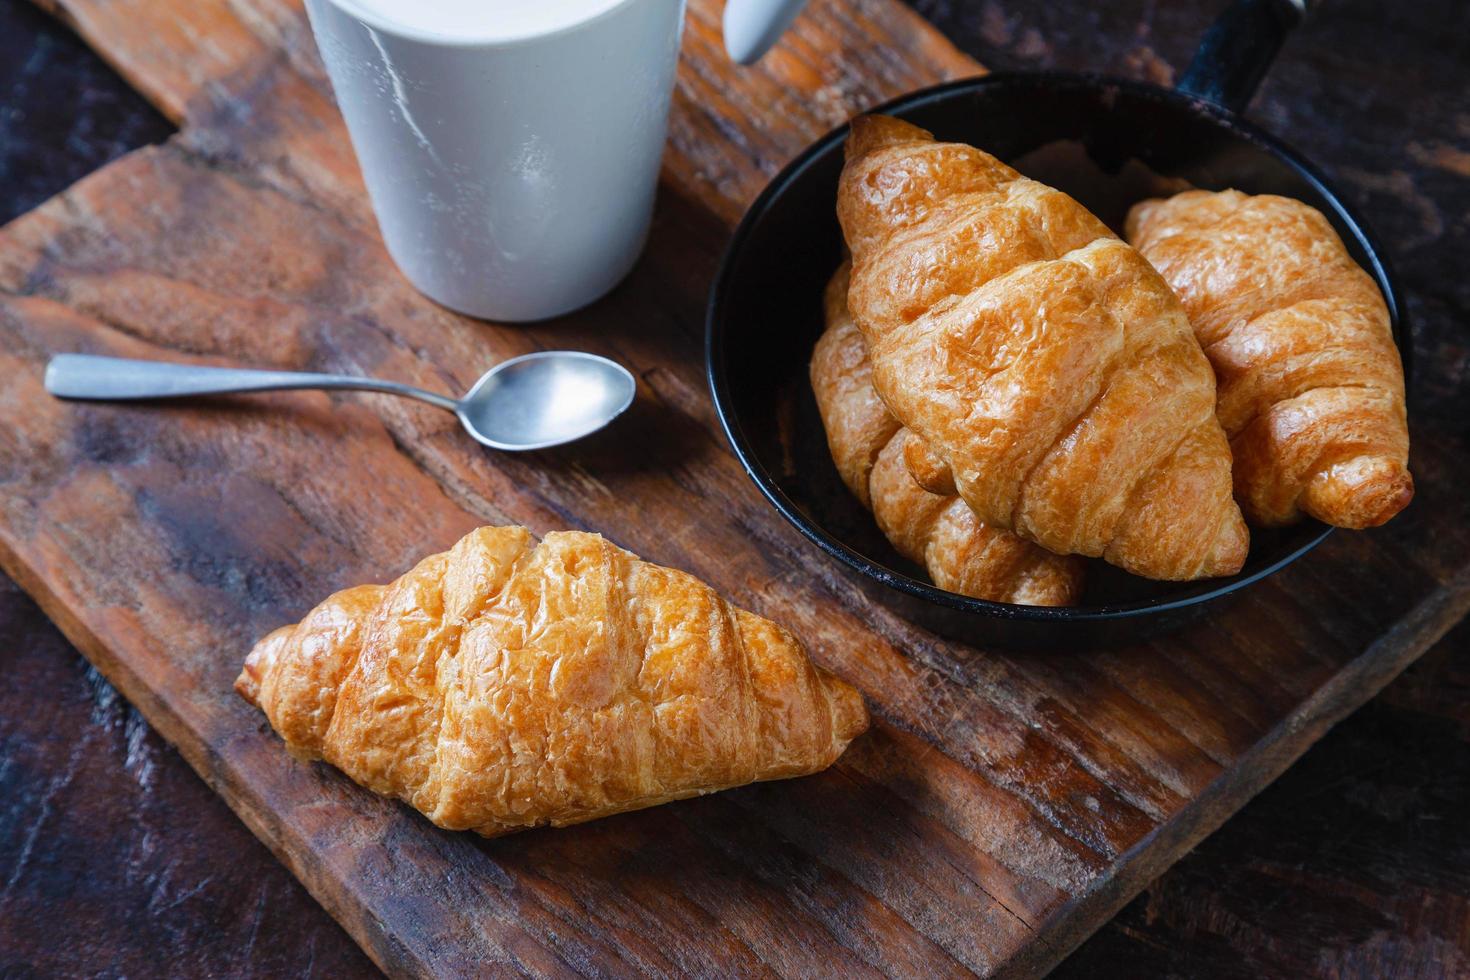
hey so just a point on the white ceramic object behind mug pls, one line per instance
(512, 156)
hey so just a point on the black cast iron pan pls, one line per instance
(1108, 142)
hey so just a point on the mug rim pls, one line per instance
(379, 23)
(716, 374)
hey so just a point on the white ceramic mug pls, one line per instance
(512, 170)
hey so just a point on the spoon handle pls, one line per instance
(95, 378)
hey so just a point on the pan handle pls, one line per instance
(1236, 52)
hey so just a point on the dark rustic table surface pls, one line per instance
(116, 860)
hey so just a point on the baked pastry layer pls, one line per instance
(508, 684)
(1049, 371)
(1311, 388)
(939, 531)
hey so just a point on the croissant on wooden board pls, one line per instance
(1048, 370)
(1311, 389)
(942, 533)
(508, 684)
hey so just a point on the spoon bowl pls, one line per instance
(545, 399)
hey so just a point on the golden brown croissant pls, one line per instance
(507, 684)
(1049, 371)
(942, 533)
(1311, 390)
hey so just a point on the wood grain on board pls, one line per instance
(1001, 809)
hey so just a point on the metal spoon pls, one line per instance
(528, 402)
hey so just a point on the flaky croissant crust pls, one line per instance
(960, 552)
(507, 684)
(1048, 370)
(1311, 388)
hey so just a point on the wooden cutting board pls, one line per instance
(1001, 808)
